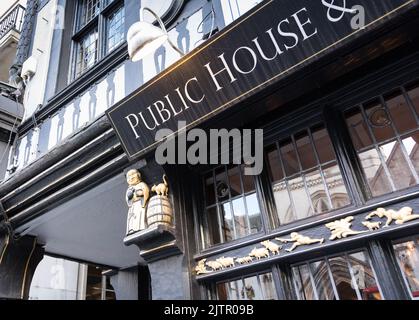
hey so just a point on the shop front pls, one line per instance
(333, 214)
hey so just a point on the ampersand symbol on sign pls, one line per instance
(334, 9)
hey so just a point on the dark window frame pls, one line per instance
(201, 216)
(330, 109)
(326, 259)
(355, 180)
(413, 238)
(212, 293)
(307, 125)
(98, 22)
(398, 137)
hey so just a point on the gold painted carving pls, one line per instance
(299, 240)
(244, 260)
(226, 262)
(371, 225)
(214, 265)
(400, 217)
(162, 189)
(146, 211)
(259, 253)
(201, 267)
(272, 247)
(339, 229)
(137, 196)
(342, 228)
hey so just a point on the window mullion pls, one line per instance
(353, 280)
(230, 202)
(399, 140)
(347, 157)
(332, 280)
(303, 175)
(294, 211)
(377, 148)
(313, 283)
(220, 224)
(319, 167)
(244, 198)
(410, 104)
(101, 36)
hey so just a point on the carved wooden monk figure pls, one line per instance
(137, 196)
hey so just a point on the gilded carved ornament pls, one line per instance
(144, 209)
(340, 229)
(299, 240)
(372, 225)
(402, 216)
(272, 247)
(201, 267)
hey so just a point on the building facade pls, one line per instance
(11, 110)
(334, 213)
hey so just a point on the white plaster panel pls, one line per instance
(233, 9)
(41, 51)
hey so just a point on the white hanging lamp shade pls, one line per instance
(144, 38)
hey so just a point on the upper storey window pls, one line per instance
(232, 209)
(306, 178)
(99, 29)
(385, 134)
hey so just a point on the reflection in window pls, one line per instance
(346, 277)
(407, 254)
(89, 9)
(232, 206)
(87, 52)
(384, 133)
(98, 286)
(306, 178)
(99, 29)
(258, 287)
(115, 32)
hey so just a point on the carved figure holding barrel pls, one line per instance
(137, 196)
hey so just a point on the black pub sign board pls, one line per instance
(262, 47)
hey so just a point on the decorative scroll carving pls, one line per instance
(402, 216)
(299, 240)
(372, 225)
(272, 247)
(342, 228)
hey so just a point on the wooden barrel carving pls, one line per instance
(159, 211)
